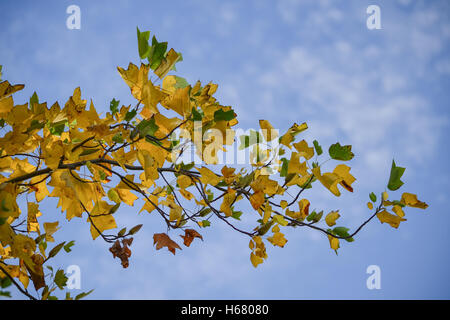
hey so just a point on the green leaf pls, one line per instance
(135, 229)
(143, 47)
(56, 250)
(5, 282)
(83, 294)
(314, 216)
(34, 99)
(236, 215)
(245, 142)
(118, 138)
(339, 152)
(5, 293)
(114, 106)
(156, 53)
(206, 223)
(147, 127)
(67, 247)
(60, 279)
(265, 227)
(394, 179)
(3, 220)
(36, 125)
(318, 148)
(343, 232)
(373, 197)
(196, 116)
(121, 232)
(221, 115)
(57, 128)
(284, 167)
(204, 212)
(130, 115)
(180, 82)
(87, 152)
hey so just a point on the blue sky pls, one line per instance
(383, 91)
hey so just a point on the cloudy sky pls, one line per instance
(383, 91)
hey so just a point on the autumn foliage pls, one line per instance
(93, 164)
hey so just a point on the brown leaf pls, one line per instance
(163, 240)
(37, 273)
(123, 253)
(189, 236)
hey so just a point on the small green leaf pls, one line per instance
(156, 54)
(206, 223)
(343, 232)
(180, 82)
(373, 197)
(87, 152)
(130, 115)
(67, 247)
(114, 106)
(56, 250)
(339, 152)
(204, 212)
(5, 282)
(5, 293)
(221, 115)
(318, 148)
(121, 232)
(60, 279)
(135, 229)
(143, 47)
(57, 128)
(284, 167)
(34, 99)
(394, 179)
(118, 138)
(83, 294)
(147, 127)
(236, 215)
(196, 116)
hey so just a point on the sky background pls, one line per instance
(384, 91)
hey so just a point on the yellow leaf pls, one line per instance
(184, 181)
(257, 199)
(267, 212)
(255, 259)
(370, 205)
(392, 220)
(331, 218)
(343, 172)
(50, 228)
(295, 166)
(268, 131)
(208, 177)
(186, 194)
(175, 213)
(385, 195)
(398, 211)
(277, 239)
(33, 213)
(411, 200)
(304, 208)
(227, 202)
(304, 150)
(167, 63)
(334, 242)
(101, 222)
(329, 180)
